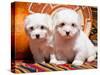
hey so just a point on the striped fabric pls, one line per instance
(28, 68)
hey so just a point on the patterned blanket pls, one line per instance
(21, 67)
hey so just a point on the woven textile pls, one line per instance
(29, 68)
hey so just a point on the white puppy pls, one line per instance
(71, 43)
(39, 29)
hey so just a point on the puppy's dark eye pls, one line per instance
(62, 24)
(42, 27)
(31, 28)
(73, 25)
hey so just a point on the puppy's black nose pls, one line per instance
(37, 36)
(67, 33)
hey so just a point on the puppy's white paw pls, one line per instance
(53, 61)
(60, 62)
(92, 58)
(43, 62)
(78, 62)
(57, 62)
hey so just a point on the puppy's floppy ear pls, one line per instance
(79, 21)
(49, 21)
(26, 22)
(50, 34)
(54, 20)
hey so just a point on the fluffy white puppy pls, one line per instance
(38, 27)
(71, 44)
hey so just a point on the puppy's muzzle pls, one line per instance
(67, 33)
(37, 36)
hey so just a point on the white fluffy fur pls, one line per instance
(75, 45)
(41, 25)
